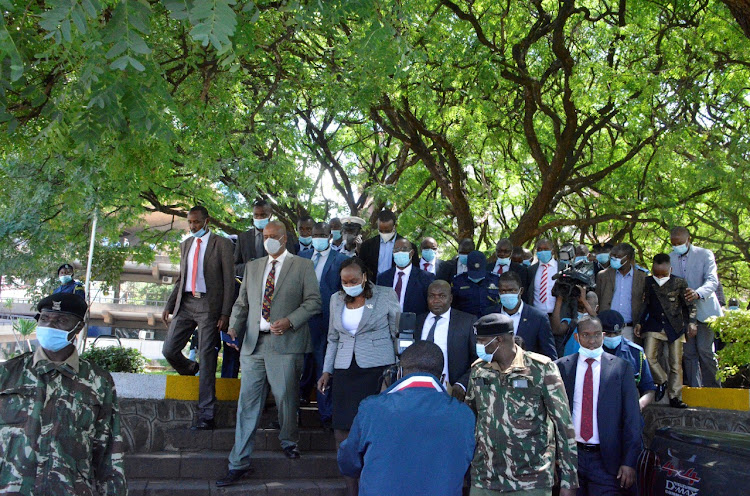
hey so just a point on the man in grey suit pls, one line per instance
(279, 294)
(698, 267)
(202, 297)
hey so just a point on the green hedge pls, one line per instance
(116, 359)
(734, 329)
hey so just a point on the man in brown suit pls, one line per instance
(202, 297)
(621, 286)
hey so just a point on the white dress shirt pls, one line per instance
(596, 369)
(264, 324)
(516, 317)
(350, 318)
(404, 281)
(430, 265)
(441, 335)
(496, 268)
(321, 261)
(549, 305)
(461, 268)
(200, 280)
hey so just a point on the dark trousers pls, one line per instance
(698, 361)
(593, 478)
(195, 312)
(230, 363)
(313, 369)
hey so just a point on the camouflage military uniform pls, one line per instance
(59, 428)
(523, 426)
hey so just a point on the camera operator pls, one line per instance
(568, 326)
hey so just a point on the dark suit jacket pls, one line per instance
(218, 272)
(462, 351)
(536, 332)
(244, 249)
(447, 270)
(369, 252)
(415, 299)
(618, 414)
(330, 284)
(605, 290)
(519, 269)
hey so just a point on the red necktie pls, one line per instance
(500, 270)
(268, 292)
(426, 265)
(587, 404)
(196, 261)
(543, 285)
(398, 285)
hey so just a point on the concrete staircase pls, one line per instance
(188, 463)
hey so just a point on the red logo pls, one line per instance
(690, 475)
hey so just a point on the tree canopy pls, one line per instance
(580, 120)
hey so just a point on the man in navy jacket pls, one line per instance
(407, 279)
(604, 402)
(327, 263)
(415, 416)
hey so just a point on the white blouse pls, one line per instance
(350, 318)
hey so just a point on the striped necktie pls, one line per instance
(543, 285)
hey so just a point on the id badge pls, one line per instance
(520, 383)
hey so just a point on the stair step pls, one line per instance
(264, 487)
(212, 465)
(265, 439)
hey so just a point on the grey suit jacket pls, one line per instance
(701, 277)
(296, 296)
(374, 342)
(605, 290)
(218, 272)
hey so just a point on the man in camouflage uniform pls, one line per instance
(59, 424)
(524, 428)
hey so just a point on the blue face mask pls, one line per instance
(66, 279)
(305, 240)
(544, 256)
(320, 244)
(354, 291)
(52, 339)
(261, 224)
(336, 233)
(527, 263)
(503, 261)
(602, 258)
(201, 232)
(463, 259)
(402, 258)
(680, 249)
(477, 280)
(734, 307)
(580, 259)
(482, 351)
(428, 254)
(615, 263)
(587, 353)
(509, 301)
(612, 343)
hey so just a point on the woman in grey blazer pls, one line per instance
(361, 342)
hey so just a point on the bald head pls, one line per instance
(277, 231)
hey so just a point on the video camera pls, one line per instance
(572, 274)
(407, 325)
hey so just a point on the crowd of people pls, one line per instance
(529, 370)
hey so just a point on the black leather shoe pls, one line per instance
(232, 477)
(677, 403)
(203, 425)
(660, 390)
(291, 452)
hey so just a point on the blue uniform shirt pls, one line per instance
(475, 298)
(72, 287)
(634, 354)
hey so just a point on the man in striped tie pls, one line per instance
(604, 402)
(540, 277)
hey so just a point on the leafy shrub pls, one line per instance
(734, 330)
(116, 359)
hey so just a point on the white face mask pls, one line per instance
(386, 237)
(272, 246)
(661, 281)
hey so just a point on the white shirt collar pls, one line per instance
(582, 359)
(446, 315)
(279, 259)
(518, 312)
(323, 253)
(406, 270)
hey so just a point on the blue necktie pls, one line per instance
(316, 259)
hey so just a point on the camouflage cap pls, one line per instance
(611, 321)
(65, 303)
(493, 324)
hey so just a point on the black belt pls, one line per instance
(196, 295)
(591, 448)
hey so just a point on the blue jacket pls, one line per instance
(618, 414)
(634, 354)
(535, 330)
(411, 441)
(72, 287)
(330, 284)
(415, 299)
